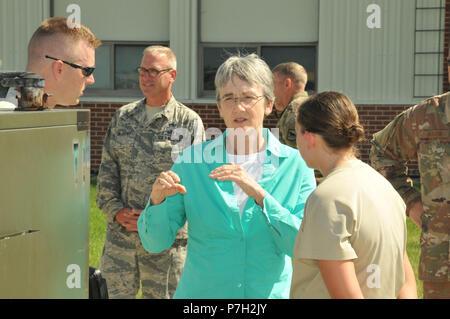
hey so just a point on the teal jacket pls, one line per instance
(229, 256)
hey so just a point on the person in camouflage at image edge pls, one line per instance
(137, 148)
(422, 133)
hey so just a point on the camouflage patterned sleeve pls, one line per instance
(290, 133)
(391, 149)
(198, 130)
(108, 179)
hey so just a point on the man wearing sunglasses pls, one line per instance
(421, 133)
(137, 148)
(65, 57)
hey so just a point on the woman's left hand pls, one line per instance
(235, 173)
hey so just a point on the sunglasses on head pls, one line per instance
(85, 69)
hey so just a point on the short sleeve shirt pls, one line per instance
(354, 214)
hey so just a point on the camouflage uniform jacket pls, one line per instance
(286, 123)
(136, 151)
(422, 133)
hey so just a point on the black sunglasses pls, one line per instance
(85, 69)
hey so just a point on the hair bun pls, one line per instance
(355, 133)
(334, 116)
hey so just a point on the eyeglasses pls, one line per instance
(246, 101)
(151, 72)
(87, 71)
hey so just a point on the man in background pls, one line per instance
(290, 79)
(137, 148)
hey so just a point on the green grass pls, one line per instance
(98, 231)
(413, 249)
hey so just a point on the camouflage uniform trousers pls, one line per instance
(125, 264)
(436, 290)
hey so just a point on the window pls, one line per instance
(213, 55)
(115, 73)
(304, 55)
(125, 28)
(429, 48)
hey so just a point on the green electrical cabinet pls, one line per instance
(44, 204)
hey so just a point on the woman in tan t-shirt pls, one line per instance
(352, 241)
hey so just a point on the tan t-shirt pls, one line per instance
(355, 214)
(151, 111)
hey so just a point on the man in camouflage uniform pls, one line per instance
(142, 141)
(290, 80)
(422, 133)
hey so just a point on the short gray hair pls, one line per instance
(159, 49)
(249, 68)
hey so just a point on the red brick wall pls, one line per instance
(372, 117)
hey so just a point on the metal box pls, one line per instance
(44, 204)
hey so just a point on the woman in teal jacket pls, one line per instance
(242, 195)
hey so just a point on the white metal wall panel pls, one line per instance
(18, 21)
(370, 65)
(118, 20)
(259, 21)
(428, 3)
(183, 41)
